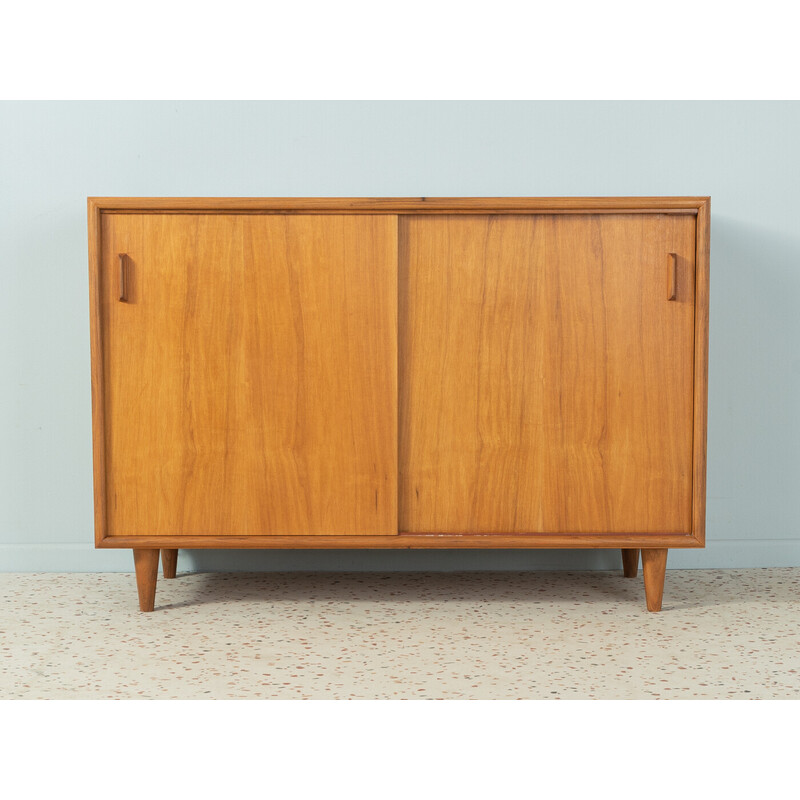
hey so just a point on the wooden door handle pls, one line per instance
(123, 294)
(672, 276)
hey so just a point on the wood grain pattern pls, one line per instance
(398, 205)
(699, 206)
(546, 382)
(250, 378)
(654, 566)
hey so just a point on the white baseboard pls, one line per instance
(729, 553)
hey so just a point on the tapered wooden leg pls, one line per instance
(654, 567)
(630, 563)
(146, 563)
(169, 563)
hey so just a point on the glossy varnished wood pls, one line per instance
(630, 562)
(145, 561)
(250, 379)
(654, 565)
(545, 379)
(169, 562)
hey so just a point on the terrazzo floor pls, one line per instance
(476, 635)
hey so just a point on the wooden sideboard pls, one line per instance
(399, 373)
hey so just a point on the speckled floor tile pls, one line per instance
(477, 635)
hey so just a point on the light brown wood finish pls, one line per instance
(397, 205)
(214, 388)
(435, 541)
(630, 562)
(97, 374)
(169, 563)
(702, 290)
(145, 560)
(546, 381)
(250, 378)
(654, 566)
(699, 206)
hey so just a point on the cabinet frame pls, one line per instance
(696, 206)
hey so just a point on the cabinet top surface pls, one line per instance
(394, 205)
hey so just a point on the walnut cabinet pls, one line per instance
(399, 373)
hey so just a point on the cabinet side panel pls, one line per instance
(97, 379)
(251, 381)
(701, 369)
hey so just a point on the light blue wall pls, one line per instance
(745, 155)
